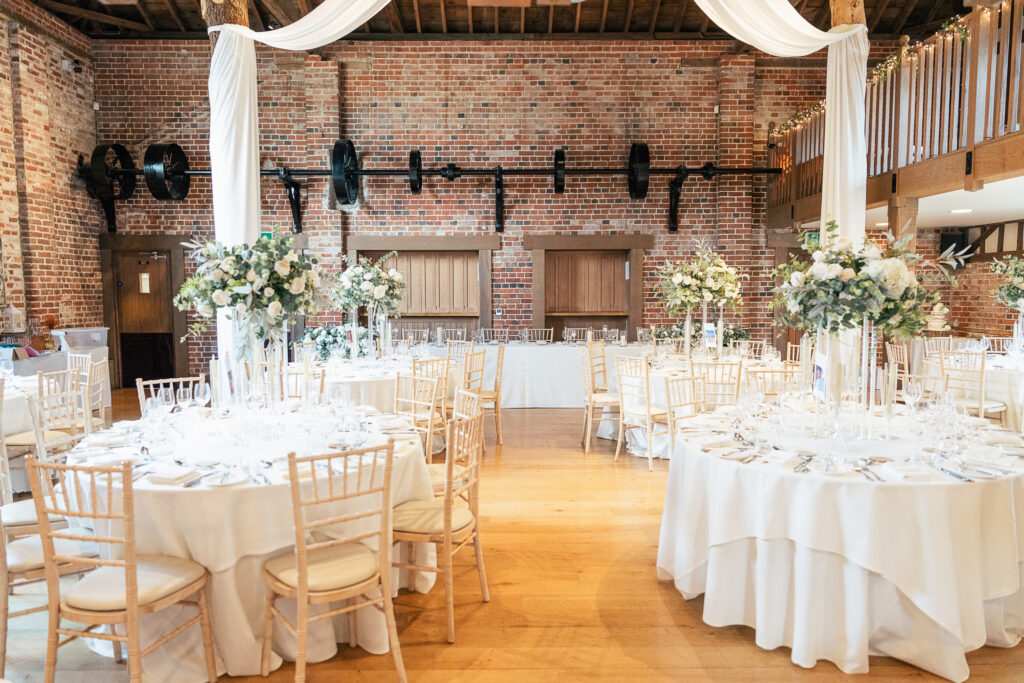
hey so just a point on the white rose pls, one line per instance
(833, 271)
(818, 271)
(291, 257)
(366, 286)
(282, 268)
(269, 291)
(297, 285)
(797, 279)
(379, 291)
(848, 274)
(251, 276)
(872, 252)
(217, 275)
(891, 274)
(398, 276)
(687, 280)
(844, 244)
(240, 307)
(677, 278)
(221, 297)
(204, 309)
(818, 255)
(274, 309)
(367, 276)
(707, 296)
(392, 273)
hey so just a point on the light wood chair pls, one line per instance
(466, 407)
(458, 349)
(999, 344)
(792, 352)
(81, 363)
(303, 350)
(685, 400)
(96, 389)
(963, 374)
(22, 564)
(635, 409)
(438, 368)
(472, 377)
(721, 381)
(595, 385)
(120, 590)
(578, 334)
(773, 381)
(750, 348)
(149, 388)
(305, 383)
(643, 335)
(453, 334)
(351, 488)
(416, 402)
(492, 397)
(491, 334)
(416, 336)
(897, 355)
(452, 521)
(933, 346)
(543, 334)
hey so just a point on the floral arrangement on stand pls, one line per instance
(263, 287)
(1011, 294)
(731, 333)
(703, 281)
(327, 338)
(368, 284)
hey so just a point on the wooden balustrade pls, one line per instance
(945, 96)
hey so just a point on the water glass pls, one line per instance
(184, 397)
(201, 394)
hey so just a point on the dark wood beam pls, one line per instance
(495, 19)
(821, 16)
(146, 17)
(469, 13)
(551, 18)
(304, 7)
(109, 20)
(444, 18)
(579, 6)
(604, 16)
(936, 6)
(396, 18)
(877, 15)
(629, 17)
(681, 15)
(704, 25)
(522, 20)
(172, 9)
(277, 12)
(416, 13)
(654, 16)
(847, 12)
(255, 20)
(901, 20)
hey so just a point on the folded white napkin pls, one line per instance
(106, 439)
(906, 471)
(115, 457)
(171, 474)
(993, 438)
(391, 422)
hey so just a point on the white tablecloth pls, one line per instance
(1001, 384)
(837, 568)
(232, 531)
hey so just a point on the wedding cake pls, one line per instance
(936, 320)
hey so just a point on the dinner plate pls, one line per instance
(233, 478)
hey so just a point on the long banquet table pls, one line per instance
(232, 530)
(920, 567)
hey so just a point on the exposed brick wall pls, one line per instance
(47, 224)
(482, 104)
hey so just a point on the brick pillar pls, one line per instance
(10, 230)
(740, 242)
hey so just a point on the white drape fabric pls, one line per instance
(775, 27)
(234, 127)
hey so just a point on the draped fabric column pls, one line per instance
(775, 27)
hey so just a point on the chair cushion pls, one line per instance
(158, 576)
(22, 513)
(29, 438)
(989, 405)
(603, 398)
(437, 473)
(427, 517)
(26, 553)
(487, 395)
(328, 568)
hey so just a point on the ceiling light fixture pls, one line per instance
(961, 210)
(881, 225)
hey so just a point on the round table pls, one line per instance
(920, 567)
(232, 531)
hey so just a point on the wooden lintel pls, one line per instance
(100, 17)
(498, 3)
(572, 242)
(985, 232)
(413, 243)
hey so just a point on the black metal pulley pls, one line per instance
(163, 167)
(415, 171)
(345, 172)
(559, 171)
(639, 170)
(108, 180)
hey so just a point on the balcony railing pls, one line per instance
(948, 93)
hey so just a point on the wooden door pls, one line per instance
(144, 293)
(585, 289)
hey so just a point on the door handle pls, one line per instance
(120, 284)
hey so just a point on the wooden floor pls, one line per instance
(570, 542)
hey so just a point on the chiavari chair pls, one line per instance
(595, 388)
(352, 488)
(575, 333)
(458, 349)
(149, 388)
(933, 346)
(773, 381)
(416, 402)
(416, 336)
(542, 334)
(305, 383)
(685, 397)
(491, 334)
(721, 381)
(97, 387)
(453, 334)
(80, 362)
(750, 348)
(472, 376)
(635, 409)
(963, 375)
(792, 352)
(450, 522)
(118, 591)
(897, 355)
(304, 349)
(465, 406)
(999, 344)
(491, 398)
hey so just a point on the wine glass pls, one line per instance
(165, 400)
(183, 396)
(201, 394)
(912, 391)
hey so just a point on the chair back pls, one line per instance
(897, 355)
(99, 383)
(596, 368)
(466, 404)
(416, 335)
(453, 334)
(999, 344)
(933, 346)
(347, 490)
(60, 381)
(80, 362)
(963, 375)
(6, 489)
(634, 389)
(305, 383)
(99, 505)
(436, 368)
(61, 404)
(538, 334)
(685, 398)
(575, 334)
(465, 446)
(490, 334)
(473, 372)
(416, 401)
(304, 349)
(774, 381)
(721, 381)
(750, 348)
(499, 369)
(149, 388)
(459, 349)
(792, 352)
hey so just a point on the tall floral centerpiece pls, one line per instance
(262, 287)
(368, 284)
(1011, 293)
(703, 281)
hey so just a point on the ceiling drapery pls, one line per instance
(234, 126)
(775, 27)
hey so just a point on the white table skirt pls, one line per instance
(1001, 384)
(378, 392)
(839, 568)
(232, 531)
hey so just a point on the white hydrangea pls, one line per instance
(892, 275)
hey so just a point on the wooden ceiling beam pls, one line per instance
(100, 17)
(255, 20)
(277, 12)
(654, 16)
(579, 6)
(304, 7)
(877, 15)
(604, 16)
(495, 19)
(522, 20)
(469, 13)
(551, 18)
(681, 15)
(416, 13)
(629, 17)
(172, 9)
(146, 16)
(394, 17)
(901, 20)
(444, 18)
(848, 12)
